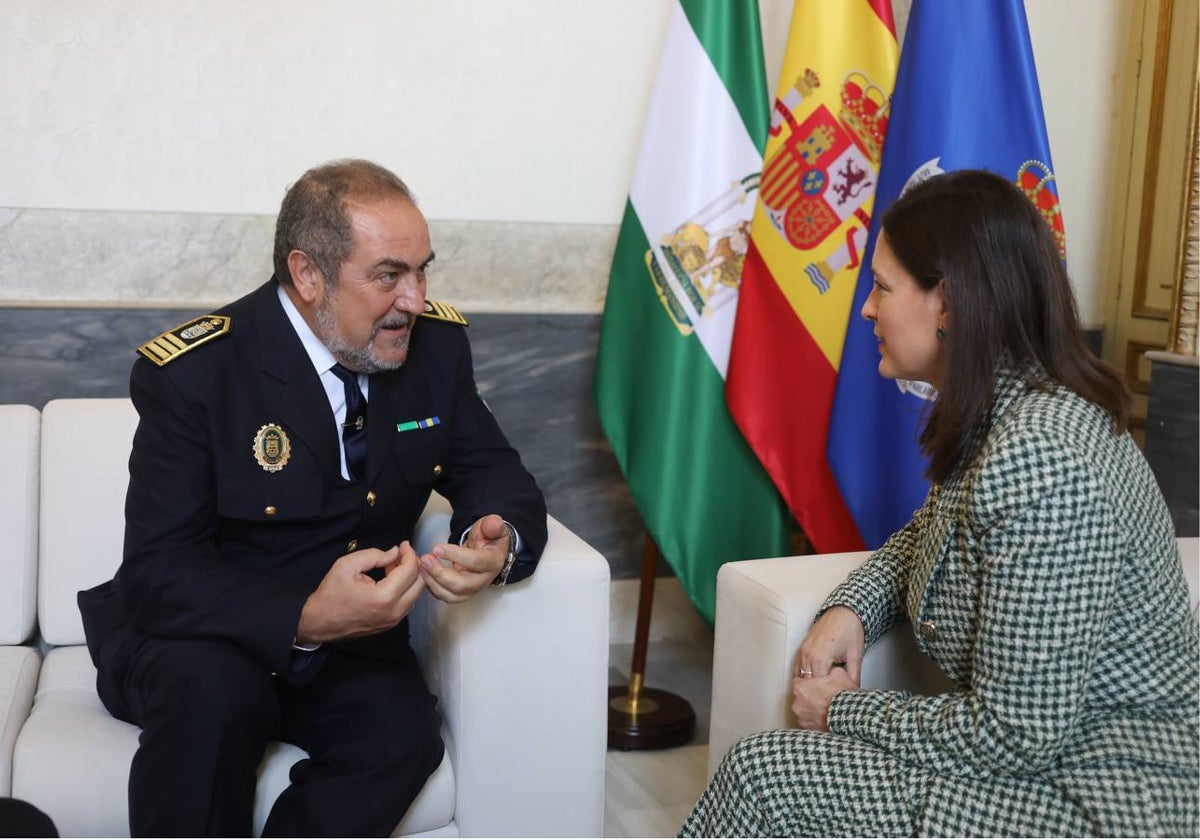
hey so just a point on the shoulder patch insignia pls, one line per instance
(191, 334)
(443, 312)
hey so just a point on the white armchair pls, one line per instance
(764, 609)
(521, 672)
(19, 662)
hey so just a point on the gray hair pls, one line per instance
(313, 216)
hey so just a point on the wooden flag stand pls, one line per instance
(641, 718)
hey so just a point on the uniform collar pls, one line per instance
(318, 353)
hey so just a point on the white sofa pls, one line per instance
(521, 673)
(19, 662)
(764, 609)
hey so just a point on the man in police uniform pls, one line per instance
(286, 445)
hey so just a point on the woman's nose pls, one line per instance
(868, 308)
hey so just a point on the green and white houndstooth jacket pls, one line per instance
(1045, 581)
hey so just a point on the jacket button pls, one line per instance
(353, 544)
(370, 498)
(269, 510)
(437, 470)
(927, 630)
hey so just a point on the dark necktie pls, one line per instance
(354, 429)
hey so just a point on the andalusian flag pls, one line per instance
(673, 296)
(808, 236)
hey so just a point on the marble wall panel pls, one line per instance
(82, 257)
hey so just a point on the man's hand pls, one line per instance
(454, 573)
(350, 603)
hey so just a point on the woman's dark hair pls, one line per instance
(313, 217)
(1008, 303)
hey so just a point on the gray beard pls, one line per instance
(358, 359)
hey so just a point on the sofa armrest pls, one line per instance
(20, 448)
(19, 668)
(764, 609)
(522, 679)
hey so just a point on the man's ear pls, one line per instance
(306, 277)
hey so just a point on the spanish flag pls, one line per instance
(807, 239)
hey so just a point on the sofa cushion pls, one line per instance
(72, 760)
(85, 471)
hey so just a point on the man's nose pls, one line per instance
(409, 294)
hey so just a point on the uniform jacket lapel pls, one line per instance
(291, 387)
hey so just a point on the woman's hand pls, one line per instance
(836, 638)
(829, 661)
(811, 697)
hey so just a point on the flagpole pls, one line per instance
(641, 718)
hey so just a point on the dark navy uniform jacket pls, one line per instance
(217, 546)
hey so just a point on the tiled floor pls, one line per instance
(650, 792)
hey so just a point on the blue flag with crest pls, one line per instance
(966, 97)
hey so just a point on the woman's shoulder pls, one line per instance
(1050, 415)
(1047, 440)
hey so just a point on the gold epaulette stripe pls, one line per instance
(191, 334)
(151, 347)
(443, 312)
(166, 346)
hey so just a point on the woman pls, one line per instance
(1042, 572)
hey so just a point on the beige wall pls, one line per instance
(522, 116)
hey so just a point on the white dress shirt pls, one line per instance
(323, 361)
